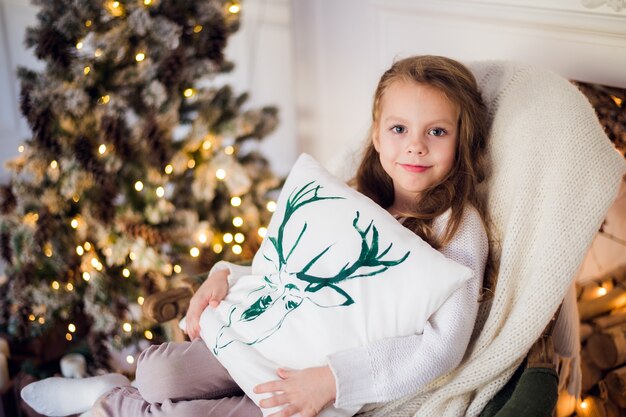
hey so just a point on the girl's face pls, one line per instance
(416, 137)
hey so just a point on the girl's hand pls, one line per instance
(211, 293)
(306, 391)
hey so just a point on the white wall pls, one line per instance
(261, 51)
(344, 46)
(15, 16)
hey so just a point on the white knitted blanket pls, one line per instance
(554, 175)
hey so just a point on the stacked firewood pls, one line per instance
(602, 309)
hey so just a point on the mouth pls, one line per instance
(414, 168)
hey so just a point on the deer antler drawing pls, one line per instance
(281, 292)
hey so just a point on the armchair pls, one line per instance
(553, 177)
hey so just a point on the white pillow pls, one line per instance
(386, 282)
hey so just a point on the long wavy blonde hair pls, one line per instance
(459, 187)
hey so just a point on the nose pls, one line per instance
(418, 146)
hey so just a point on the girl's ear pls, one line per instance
(375, 139)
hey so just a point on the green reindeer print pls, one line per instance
(284, 291)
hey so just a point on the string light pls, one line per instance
(197, 28)
(69, 286)
(177, 269)
(76, 198)
(80, 251)
(237, 249)
(227, 238)
(169, 169)
(217, 248)
(140, 300)
(235, 201)
(97, 53)
(31, 317)
(20, 148)
(55, 285)
(96, 264)
(130, 359)
(140, 57)
(583, 404)
(41, 320)
(74, 223)
(54, 164)
(31, 218)
(102, 149)
(86, 276)
(617, 100)
(127, 327)
(68, 337)
(234, 8)
(202, 238)
(132, 256)
(148, 334)
(88, 23)
(239, 238)
(115, 9)
(87, 245)
(229, 150)
(271, 206)
(206, 145)
(71, 328)
(147, 2)
(262, 231)
(237, 221)
(191, 163)
(47, 249)
(194, 252)
(220, 174)
(79, 45)
(139, 186)
(104, 99)
(189, 92)
(160, 191)
(87, 70)
(126, 272)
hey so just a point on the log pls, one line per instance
(609, 320)
(565, 404)
(586, 330)
(616, 386)
(591, 374)
(594, 289)
(607, 349)
(593, 406)
(613, 299)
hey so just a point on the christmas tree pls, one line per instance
(140, 166)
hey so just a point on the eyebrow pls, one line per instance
(401, 120)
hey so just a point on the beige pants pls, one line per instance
(178, 379)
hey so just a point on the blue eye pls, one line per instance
(398, 129)
(437, 131)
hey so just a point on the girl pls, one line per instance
(422, 163)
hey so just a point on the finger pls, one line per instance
(274, 401)
(194, 331)
(284, 373)
(272, 386)
(192, 335)
(288, 411)
(214, 303)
